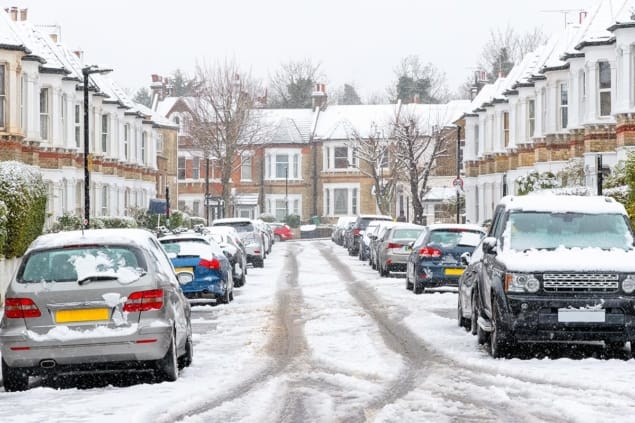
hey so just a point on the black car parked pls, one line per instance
(358, 227)
(556, 269)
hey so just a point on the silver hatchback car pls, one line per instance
(95, 301)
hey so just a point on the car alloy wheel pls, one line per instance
(168, 367)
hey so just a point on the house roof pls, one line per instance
(11, 38)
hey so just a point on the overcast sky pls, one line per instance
(356, 41)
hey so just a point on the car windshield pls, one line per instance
(543, 230)
(122, 263)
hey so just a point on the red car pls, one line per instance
(281, 231)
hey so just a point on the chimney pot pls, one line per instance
(23, 14)
(14, 14)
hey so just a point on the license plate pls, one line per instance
(184, 269)
(453, 272)
(83, 315)
(566, 315)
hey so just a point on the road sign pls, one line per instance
(458, 182)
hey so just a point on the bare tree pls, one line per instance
(377, 163)
(417, 146)
(293, 83)
(225, 119)
(418, 83)
(506, 47)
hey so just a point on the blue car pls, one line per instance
(435, 257)
(205, 265)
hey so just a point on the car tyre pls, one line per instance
(417, 288)
(408, 283)
(500, 343)
(168, 367)
(14, 379)
(259, 262)
(225, 297)
(186, 359)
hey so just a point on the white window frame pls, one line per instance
(77, 125)
(293, 164)
(277, 204)
(606, 90)
(24, 98)
(352, 199)
(563, 105)
(63, 117)
(45, 108)
(181, 170)
(531, 117)
(505, 124)
(196, 168)
(105, 200)
(126, 141)
(144, 146)
(105, 132)
(246, 167)
(3, 95)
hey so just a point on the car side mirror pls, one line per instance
(489, 245)
(465, 258)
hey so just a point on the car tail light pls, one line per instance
(144, 301)
(356, 231)
(17, 308)
(213, 264)
(429, 252)
(393, 245)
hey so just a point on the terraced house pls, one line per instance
(132, 151)
(566, 105)
(307, 164)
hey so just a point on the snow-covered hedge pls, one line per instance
(70, 222)
(24, 194)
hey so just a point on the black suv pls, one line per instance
(360, 225)
(556, 269)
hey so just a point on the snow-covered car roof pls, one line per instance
(90, 236)
(231, 220)
(466, 226)
(548, 202)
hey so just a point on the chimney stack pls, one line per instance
(319, 97)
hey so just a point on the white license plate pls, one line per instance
(575, 315)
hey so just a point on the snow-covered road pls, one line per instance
(318, 336)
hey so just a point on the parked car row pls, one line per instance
(551, 269)
(119, 300)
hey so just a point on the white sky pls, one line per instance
(358, 41)
(343, 364)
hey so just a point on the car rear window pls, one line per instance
(411, 234)
(239, 226)
(450, 238)
(71, 264)
(182, 248)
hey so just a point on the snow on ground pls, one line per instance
(342, 364)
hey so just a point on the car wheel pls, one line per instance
(417, 288)
(462, 321)
(615, 350)
(168, 367)
(408, 283)
(14, 379)
(499, 340)
(186, 359)
(474, 319)
(259, 263)
(224, 298)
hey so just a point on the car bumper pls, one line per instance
(127, 350)
(439, 275)
(197, 287)
(396, 262)
(546, 319)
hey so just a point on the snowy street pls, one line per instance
(318, 336)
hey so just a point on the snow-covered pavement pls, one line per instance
(318, 336)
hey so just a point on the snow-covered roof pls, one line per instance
(164, 106)
(11, 36)
(440, 194)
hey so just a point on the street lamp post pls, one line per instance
(286, 192)
(86, 72)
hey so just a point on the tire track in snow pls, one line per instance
(285, 342)
(419, 360)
